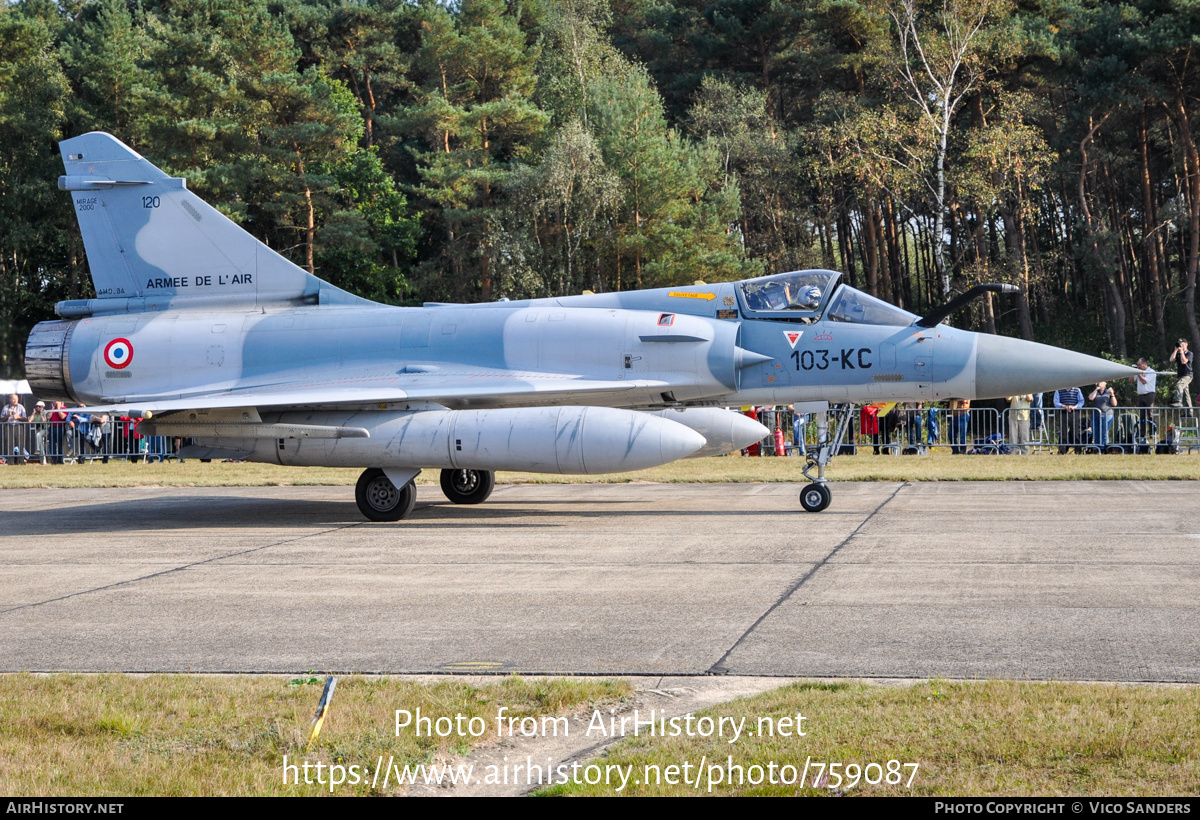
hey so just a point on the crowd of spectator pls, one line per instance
(58, 434)
(1075, 419)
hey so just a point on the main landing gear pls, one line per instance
(816, 496)
(379, 500)
(468, 486)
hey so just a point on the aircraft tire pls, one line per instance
(468, 486)
(379, 500)
(815, 497)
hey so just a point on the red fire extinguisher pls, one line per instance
(780, 447)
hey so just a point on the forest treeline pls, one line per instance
(413, 150)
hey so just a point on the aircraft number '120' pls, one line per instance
(823, 360)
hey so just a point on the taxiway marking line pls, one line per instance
(177, 569)
(718, 668)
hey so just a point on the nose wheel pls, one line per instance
(379, 500)
(468, 486)
(815, 497)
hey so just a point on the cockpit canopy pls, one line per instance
(850, 305)
(804, 295)
(802, 290)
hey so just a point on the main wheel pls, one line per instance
(815, 497)
(379, 500)
(468, 486)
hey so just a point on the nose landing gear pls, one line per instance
(816, 496)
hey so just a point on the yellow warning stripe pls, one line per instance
(473, 665)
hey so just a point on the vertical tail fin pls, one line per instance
(147, 236)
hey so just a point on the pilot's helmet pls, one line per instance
(810, 296)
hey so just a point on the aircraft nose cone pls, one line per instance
(1008, 367)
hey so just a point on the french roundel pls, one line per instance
(118, 354)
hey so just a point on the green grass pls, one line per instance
(987, 738)
(940, 466)
(128, 735)
(125, 735)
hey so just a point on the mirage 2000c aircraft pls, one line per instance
(205, 333)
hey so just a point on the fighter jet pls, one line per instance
(207, 334)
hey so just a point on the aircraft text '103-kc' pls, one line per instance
(823, 359)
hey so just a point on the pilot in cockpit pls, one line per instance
(797, 291)
(809, 299)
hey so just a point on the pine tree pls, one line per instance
(676, 222)
(100, 54)
(474, 111)
(36, 221)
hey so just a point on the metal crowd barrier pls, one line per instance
(917, 430)
(1131, 430)
(902, 430)
(985, 430)
(981, 430)
(84, 441)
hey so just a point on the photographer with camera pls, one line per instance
(1183, 364)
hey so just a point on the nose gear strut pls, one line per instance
(816, 496)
